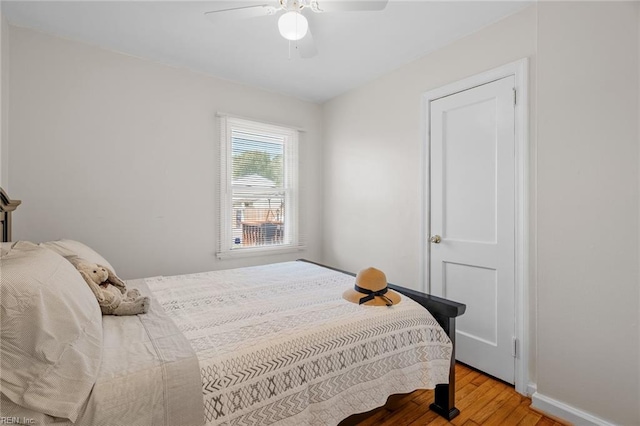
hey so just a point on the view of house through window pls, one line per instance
(260, 198)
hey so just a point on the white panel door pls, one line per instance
(472, 251)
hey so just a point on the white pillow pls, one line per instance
(67, 248)
(5, 247)
(51, 332)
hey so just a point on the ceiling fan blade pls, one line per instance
(350, 5)
(240, 13)
(307, 46)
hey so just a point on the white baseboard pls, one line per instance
(565, 411)
(531, 389)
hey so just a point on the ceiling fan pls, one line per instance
(292, 24)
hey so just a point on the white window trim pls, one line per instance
(226, 250)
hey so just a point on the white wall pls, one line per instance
(2, 109)
(584, 188)
(121, 153)
(588, 207)
(373, 137)
(4, 103)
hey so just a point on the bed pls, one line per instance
(7, 206)
(273, 344)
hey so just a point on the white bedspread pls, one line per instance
(277, 344)
(148, 377)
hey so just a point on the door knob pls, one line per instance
(436, 239)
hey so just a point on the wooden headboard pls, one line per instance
(7, 205)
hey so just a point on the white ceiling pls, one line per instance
(353, 47)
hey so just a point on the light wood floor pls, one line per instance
(481, 400)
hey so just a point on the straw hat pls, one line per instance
(371, 289)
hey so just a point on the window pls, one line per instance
(258, 187)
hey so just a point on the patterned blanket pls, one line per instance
(277, 344)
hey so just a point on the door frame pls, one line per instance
(518, 69)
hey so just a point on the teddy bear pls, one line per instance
(111, 292)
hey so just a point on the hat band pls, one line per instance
(370, 295)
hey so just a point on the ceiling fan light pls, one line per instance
(293, 25)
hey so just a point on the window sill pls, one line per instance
(259, 251)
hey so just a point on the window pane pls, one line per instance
(258, 219)
(259, 174)
(257, 160)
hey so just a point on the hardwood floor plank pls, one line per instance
(480, 380)
(463, 370)
(481, 399)
(473, 397)
(545, 421)
(422, 396)
(425, 418)
(492, 406)
(530, 419)
(467, 379)
(487, 394)
(518, 414)
(406, 415)
(438, 421)
(498, 417)
(462, 393)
